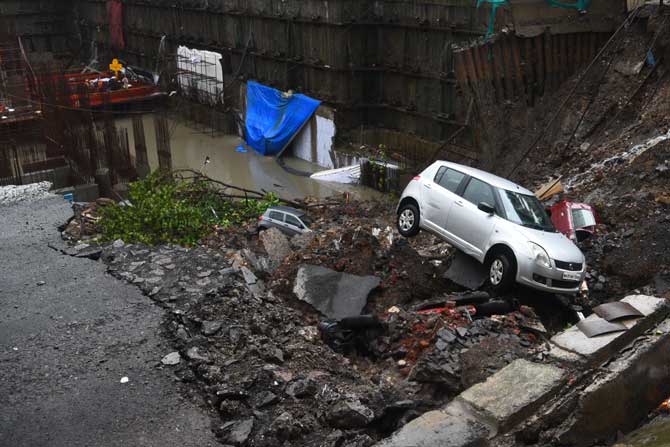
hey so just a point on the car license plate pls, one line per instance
(572, 276)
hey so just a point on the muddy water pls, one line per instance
(190, 148)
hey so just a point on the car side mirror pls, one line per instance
(486, 208)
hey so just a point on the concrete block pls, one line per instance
(514, 393)
(86, 193)
(561, 355)
(623, 393)
(598, 349)
(453, 426)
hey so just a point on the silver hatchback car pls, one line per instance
(289, 221)
(497, 222)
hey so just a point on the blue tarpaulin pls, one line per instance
(273, 118)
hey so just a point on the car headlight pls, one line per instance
(540, 255)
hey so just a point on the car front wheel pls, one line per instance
(408, 220)
(501, 272)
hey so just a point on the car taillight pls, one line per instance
(260, 218)
(417, 178)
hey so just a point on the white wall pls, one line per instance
(325, 131)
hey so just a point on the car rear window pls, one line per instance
(449, 179)
(478, 192)
(583, 218)
(276, 215)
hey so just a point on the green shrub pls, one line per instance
(169, 210)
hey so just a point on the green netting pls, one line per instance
(580, 5)
(495, 4)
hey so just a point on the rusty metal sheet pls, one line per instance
(594, 328)
(616, 311)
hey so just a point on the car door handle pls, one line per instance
(427, 186)
(459, 203)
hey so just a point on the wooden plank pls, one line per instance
(518, 70)
(593, 45)
(573, 55)
(487, 55)
(549, 64)
(507, 66)
(530, 65)
(470, 68)
(479, 66)
(556, 60)
(499, 69)
(562, 62)
(538, 62)
(459, 69)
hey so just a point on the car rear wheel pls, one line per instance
(408, 220)
(501, 272)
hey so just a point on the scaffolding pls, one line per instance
(18, 101)
(200, 83)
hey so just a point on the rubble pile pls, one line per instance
(270, 329)
(17, 193)
(259, 362)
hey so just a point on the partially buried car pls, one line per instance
(578, 221)
(288, 220)
(499, 223)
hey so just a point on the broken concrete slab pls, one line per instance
(453, 426)
(623, 391)
(466, 271)
(597, 349)
(514, 393)
(336, 295)
(276, 244)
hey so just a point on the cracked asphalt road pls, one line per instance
(68, 334)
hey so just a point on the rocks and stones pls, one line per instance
(286, 427)
(236, 432)
(171, 359)
(302, 388)
(230, 408)
(265, 398)
(210, 328)
(302, 240)
(118, 244)
(197, 355)
(350, 414)
(12, 193)
(336, 295)
(276, 244)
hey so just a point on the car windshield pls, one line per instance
(583, 218)
(525, 210)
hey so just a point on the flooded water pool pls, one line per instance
(191, 147)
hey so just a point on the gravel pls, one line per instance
(13, 193)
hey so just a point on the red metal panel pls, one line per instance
(115, 18)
